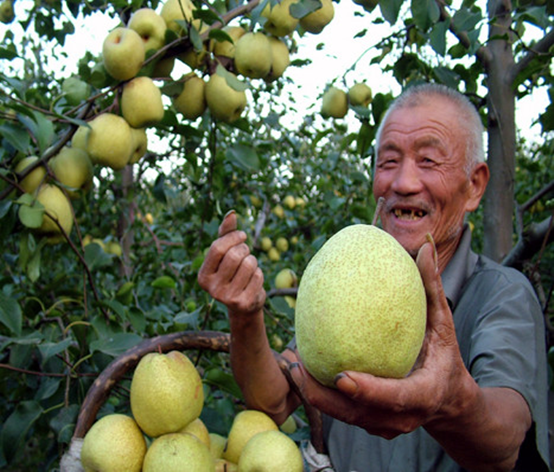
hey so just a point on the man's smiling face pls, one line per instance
(421, 173)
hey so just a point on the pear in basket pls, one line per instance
(114, 443)
(166, 393)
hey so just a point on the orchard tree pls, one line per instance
(113, 180)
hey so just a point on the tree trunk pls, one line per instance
(499, 198)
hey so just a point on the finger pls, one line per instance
(232, 261)
(245, 272)
(218, 250)
(228, 224)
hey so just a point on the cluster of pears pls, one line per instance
(165, 432)
(336, 102)
(287, 278)
(54, 184)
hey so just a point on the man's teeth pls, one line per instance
(409, 214)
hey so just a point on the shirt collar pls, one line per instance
(459, 268)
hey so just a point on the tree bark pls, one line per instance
(499, 198)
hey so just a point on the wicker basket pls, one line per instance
(116, 370)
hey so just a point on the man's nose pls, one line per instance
(407, 179)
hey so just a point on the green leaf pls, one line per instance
(447, 76)
(304, 7)
(466, 20)
(223, 381)
(390, 10)
(425, 13)
(437, 37)
(64, 422)
(96, 257)
(165, 281)
(5, 206)
(41, 128)
(116, 344)
(17, 137)
(49, 349)
(10, 314)
(365, 138)
(16, 426)
(31, 211)
(245, 157)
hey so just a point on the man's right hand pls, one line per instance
(230, 273)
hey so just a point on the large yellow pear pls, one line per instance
(141, 102)
(34, 178)
(225, 103)
(245, 425)
(56, 206)
(226, 48)
(150, 26)
(166, 393)
(280, 58)
(360, 94)
(191, 102)
(253, 55)
(72, 167)
(317, 20)
(123, 53)
(178, 452)
(114, 443)
(110, 141)
(271, 451)
(177, 10)
(334, 103)
(279, 21)
(360, 306)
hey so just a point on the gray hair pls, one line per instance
(468, 117)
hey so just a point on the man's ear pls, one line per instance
(478, 181)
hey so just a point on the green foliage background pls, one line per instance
(66, 310)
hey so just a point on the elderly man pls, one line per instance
(477, 399)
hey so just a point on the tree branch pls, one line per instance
(533, 239)
(541, 47)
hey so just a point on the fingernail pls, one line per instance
(293, 365)
(230, 212)
(346, 384)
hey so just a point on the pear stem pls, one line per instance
(378, 208)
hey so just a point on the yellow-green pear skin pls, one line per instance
(360, 94)
(317, 20)
(56, 205)
(177, 10)
(110, 141)
(150, 26)
(227, 48)
(34, 178)
(286, 278)
(279, 21)
(198, 428)
(271, 451)
(178, 452)
(245, 425)
(114, 443)
(72, 167)
(360, 306)
(253, 55)
(123, 53)
(224, 102)
(166, 393)
(139, 140)
(280, 59)
(141, 102)
(334, 103)
(191, 102)
(217, 445)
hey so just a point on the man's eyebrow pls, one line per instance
(429, 141)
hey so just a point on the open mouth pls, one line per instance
(409, 214)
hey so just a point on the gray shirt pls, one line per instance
(500, 331)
